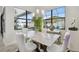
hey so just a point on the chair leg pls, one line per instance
(17, 50)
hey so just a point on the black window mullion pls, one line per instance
(26, 20)
(51, 17)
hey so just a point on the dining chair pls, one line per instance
(24, 31)
(62, 47)
(27, 33)
(24, 47)
(66, 40)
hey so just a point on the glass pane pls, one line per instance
(47, 14)
(30, 22)
(23, 17)
(54, 12)
(46, 17)
(61, 11)
(58, 17)
(30, 16)
(61, 15)
(19, 19)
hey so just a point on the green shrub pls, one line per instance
(38, 23)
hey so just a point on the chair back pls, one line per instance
(24, 30)
(20, 42)
(66, 40)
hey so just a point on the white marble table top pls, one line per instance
(43, 38)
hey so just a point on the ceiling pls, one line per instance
(22, 9)
(33, 8)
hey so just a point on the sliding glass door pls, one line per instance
(59, 18)
(55, 17)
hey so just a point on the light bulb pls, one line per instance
(33, 14)
(42, 11)
(37, 11)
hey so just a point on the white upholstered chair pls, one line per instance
(24, 47)
(66, 40)
(62, 47)
(24, 31)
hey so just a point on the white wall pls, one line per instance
(0, 17)
(74, 41)
(0, 10)
(9, 35)
(72, 12)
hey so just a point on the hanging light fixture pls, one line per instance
(42, 11)
(37, 11)
(33, 14)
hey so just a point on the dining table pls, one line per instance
(44, 38)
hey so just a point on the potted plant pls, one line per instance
(38, 23)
